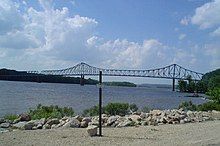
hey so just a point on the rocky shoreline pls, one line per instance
(154, 117)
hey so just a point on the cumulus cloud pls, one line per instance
(207, 16)
(185, 21)
(52, 38)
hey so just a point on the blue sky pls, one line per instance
(143, 34)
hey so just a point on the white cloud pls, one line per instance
(10, 18)
(185, 21)
(52, 38)
(182, 36)
(207, 16)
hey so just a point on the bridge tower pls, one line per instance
(174, 73)
(82, 81)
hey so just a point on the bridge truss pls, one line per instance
(173, 71)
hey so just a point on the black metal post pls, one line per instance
(100, 103)
(174, 73)
(173, 84)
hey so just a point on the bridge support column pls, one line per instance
(173, 84)
(82, 82)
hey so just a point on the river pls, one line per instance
(18, 97)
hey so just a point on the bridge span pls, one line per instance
(173, 71)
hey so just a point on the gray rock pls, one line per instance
(190, 114)
(111, 120)
(79, 118)
(182, 121)
(19, 125)
(73, 123)
(215, 115)
(41, 121)
(46, 126)
(2, 120)
(39, 126)
(143, 115)
(4, 125)
(53, 121)
(83, 124)
(87, 119)
(125, 123)
(54, 126)
(25, 117)
(135, 118)
(92, 130)
(28, 126)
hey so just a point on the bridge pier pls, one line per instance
(82, 82)
(173, 84)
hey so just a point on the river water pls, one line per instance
(18, 97)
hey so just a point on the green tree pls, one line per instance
(182, 85)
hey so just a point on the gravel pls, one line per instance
(194, 134)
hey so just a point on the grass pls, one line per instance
(11, 117)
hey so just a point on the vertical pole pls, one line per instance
(82, 80)
(173, 84)
(174, 68)
(100, 103)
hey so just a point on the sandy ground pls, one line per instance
(194, 134)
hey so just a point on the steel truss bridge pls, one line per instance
(173, 72)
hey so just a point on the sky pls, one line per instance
(119, 34)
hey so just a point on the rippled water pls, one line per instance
(17, 97)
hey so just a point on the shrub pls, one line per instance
(214, 94)
(188, 105)
(116, 108)
(208, 106)
(50, 112)
(133, 107)
(145, 109)
(11, 117)
(93, 111)
(111, 109)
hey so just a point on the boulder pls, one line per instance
(83, 124)
(135, 118)
(182, 121)
(40, 121)
(54, 126)
(25, 117)
(92, 130)
(143, 115)
(190, 114)
(4, 125)
(156, 112)
(79, 118)
(46, 126)
(111, 120)
(215, 115)
(126, 123)
(87, 120)
(73, 123)
(53, 121)
(19, 125)
(39, 126)
(2, 120)
(28, 126)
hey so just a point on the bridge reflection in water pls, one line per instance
(173, 72)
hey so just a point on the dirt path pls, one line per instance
(198, 134)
